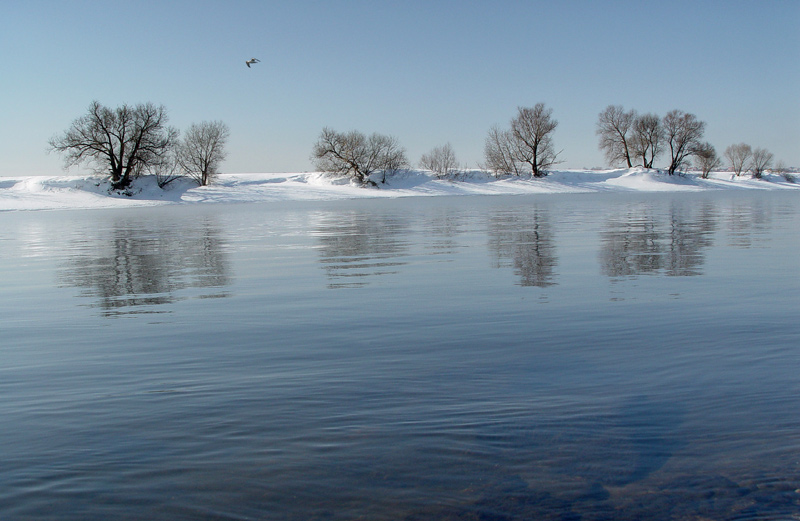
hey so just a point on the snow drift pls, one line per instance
(84, 192)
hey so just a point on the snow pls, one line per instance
(86, 192)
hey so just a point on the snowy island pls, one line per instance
(87, 192)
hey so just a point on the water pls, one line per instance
(581, 357)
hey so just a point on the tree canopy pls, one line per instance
(120, 142)
(357, 155)
(527, 144)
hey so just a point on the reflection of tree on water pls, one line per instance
(527, 240)
(746, 222)
(444, 226)
(688, 237)
(358, 245)
(639, 242)
(145, 267)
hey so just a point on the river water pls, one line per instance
(575, 357)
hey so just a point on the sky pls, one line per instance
(426, 72)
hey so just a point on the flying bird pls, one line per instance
(251, 60)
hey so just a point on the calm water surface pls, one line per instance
(582, 357)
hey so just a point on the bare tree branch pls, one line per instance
(683, 133)
(738, 156)
(441, 161)
(499, 154)
(529, 143)
(202, 150)
(614, 126)
(762, 160)
(355, 155)
(119, 143)
(647, 139)
(532, 130)
(706, 159)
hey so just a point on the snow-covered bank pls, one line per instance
(66, 192)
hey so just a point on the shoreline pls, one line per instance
(28, 193)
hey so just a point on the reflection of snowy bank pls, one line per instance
(64, 192)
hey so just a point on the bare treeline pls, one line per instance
(742, 158)
(128, 141)
(526, 147)
(630, 139)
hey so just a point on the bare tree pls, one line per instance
(528, 144)
(389, 155)
(340, 153)
(532, 131)
(119, 142)
(762, 160)
(202, 150)
(355, 155)
(683, 132)
(738, 156)
(647, 139)
(440, 160)
(706, 159)
(614, 127)
(166, 169)
(499, 153)
(784, 171)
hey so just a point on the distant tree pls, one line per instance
(499, 153)
(202, 150)
(355, 155)
(441, 160)
(614, 127)
(761, 161)
(119, 142)
(706, 159)
(532, 131)
(784, 171)
(528, 144)
(391, 156)
(647, 139)
(682, 132)
(739, 157)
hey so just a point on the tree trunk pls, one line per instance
(627, 153)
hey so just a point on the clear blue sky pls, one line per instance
(426, 72)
